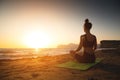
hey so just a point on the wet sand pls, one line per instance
(44, 68)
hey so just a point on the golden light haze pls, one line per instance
(37, 39)
(34, 26)
(24, 25)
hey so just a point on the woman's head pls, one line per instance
(87, 26)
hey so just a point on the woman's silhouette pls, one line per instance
(89, 43)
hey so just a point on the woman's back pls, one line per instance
(88, 43)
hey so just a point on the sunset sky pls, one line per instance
(48, 23)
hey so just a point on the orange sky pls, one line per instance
(59, 23)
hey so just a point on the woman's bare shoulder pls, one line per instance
(93, 35)
(83, 35)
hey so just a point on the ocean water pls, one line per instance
(15, 53)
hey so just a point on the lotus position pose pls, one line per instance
(88, 43)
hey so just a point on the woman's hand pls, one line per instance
(73, 51)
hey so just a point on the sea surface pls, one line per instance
(21, 53)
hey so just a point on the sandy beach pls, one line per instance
(44, 68)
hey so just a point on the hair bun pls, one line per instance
(86, 20)
(87, 24)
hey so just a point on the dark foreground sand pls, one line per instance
(44, 69)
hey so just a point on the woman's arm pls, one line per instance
(80, 44)
(95, 44)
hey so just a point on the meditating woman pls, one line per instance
(89, 44)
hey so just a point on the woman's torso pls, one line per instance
(88, 43)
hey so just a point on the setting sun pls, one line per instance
(37, 40)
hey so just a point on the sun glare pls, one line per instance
(37, 40)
